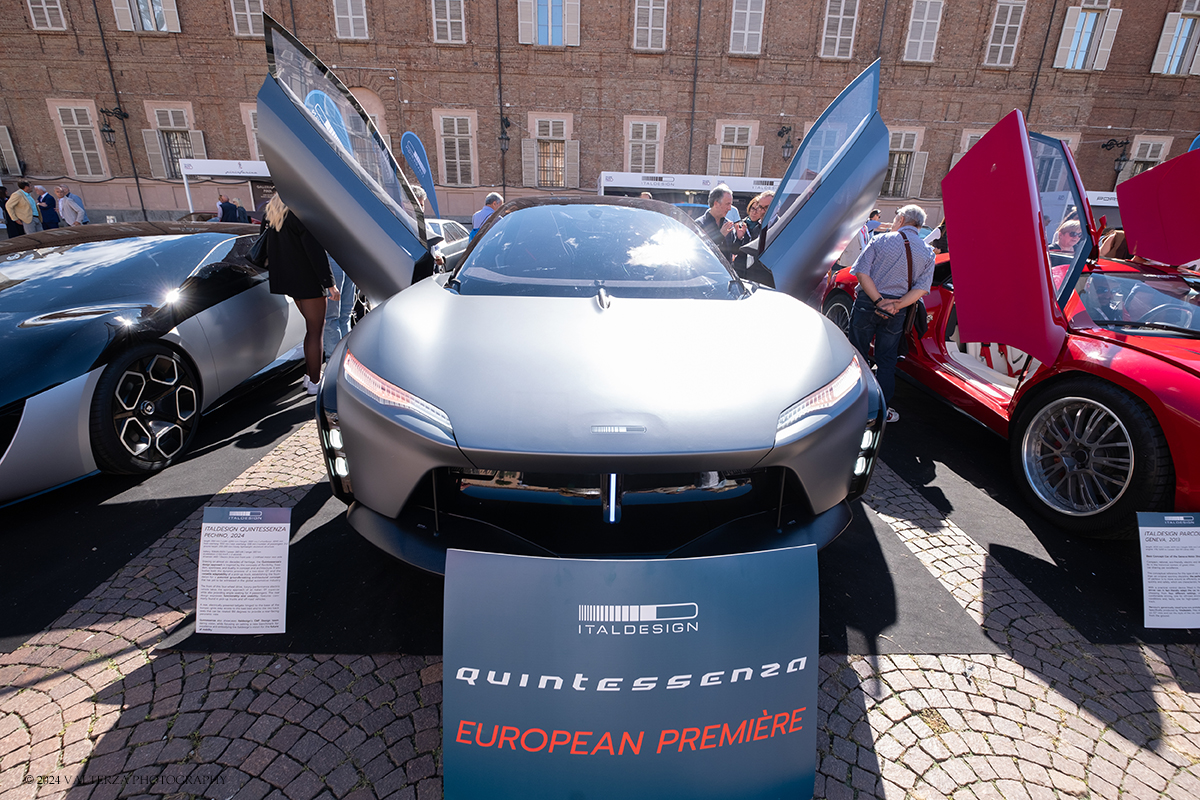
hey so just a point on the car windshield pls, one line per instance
(1141, 299)
(574, 250)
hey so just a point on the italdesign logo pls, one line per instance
(245, 515)
(641, 620)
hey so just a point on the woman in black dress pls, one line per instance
(299, 268)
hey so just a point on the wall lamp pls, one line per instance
(1121, 160)
(504, 137)
(106, 130)
(788, 147)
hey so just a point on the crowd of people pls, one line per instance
(30, 209)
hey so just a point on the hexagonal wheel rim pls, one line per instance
(155, 407)
(1078, 456)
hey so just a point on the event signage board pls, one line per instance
(1170, 569)
(678, 678)
(241, 585)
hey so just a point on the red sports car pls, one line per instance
(1090, 368)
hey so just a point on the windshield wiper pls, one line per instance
(1158, 326)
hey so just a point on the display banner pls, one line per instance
(241, 582)
(1170, 569)
(681, 678)
(418, 162)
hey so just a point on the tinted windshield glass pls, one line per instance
(1138, 299)
(573, 250)
(1063, 215)
(334, 112)
(823, 147)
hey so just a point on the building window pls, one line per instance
(923, 30)
(824, 147)
(735, 150)
(550, 157)
(256, 150)
(745, 38)
(170, 140)
(906, 166)
(650, 24)
(456, 151)
(9, 163)
(80, 134)
(1146, 152)
(1177, 51)
(47, 15)
(735, 155)
(548, 22)
(840, 16)
(351, 18)
(146, 15)
(1006, 30)
(551, 154)
(247, 17)
(1088, 35)
(644, 139)
(449, 21)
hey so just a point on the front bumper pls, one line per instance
(420, 536)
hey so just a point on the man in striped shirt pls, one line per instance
(885, 293)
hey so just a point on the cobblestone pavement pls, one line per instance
(93, 708)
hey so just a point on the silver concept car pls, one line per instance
(592, 379)
(114, 340)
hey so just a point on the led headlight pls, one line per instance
(391, 395)
(827, 396)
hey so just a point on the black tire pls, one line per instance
(145, 410)
(838, 308)
(1088, 456)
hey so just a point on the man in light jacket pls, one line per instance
(74, 198)
(23, 208)
(70, 212)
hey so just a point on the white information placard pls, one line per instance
(1170, 569)
(242, 582)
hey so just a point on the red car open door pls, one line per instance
(1011, 204)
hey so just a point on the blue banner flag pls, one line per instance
(418, 162)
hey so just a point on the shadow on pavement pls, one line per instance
(344, 595)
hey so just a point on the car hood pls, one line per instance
(552, 375)
(1159, 206)
(60, 304)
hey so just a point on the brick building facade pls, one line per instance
(589, 86)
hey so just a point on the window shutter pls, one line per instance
(1195, 69)
(572, 165)
(175, 118)
(955, 158)
(525, 25)
(1068, 32)
(1111, 19)
(1164, 43)
(124, 15)
(198, 150)
(916, 176)
(171, 15)
(571, 23)
(10, 153)
(714, 160)
(529, 162)
(158, 168)
(754, 167)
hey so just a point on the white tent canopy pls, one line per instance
(214, 168)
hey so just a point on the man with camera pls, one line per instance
(726, 235)
(894, 271)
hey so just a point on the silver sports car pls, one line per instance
(114, 340)
(592, 378)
